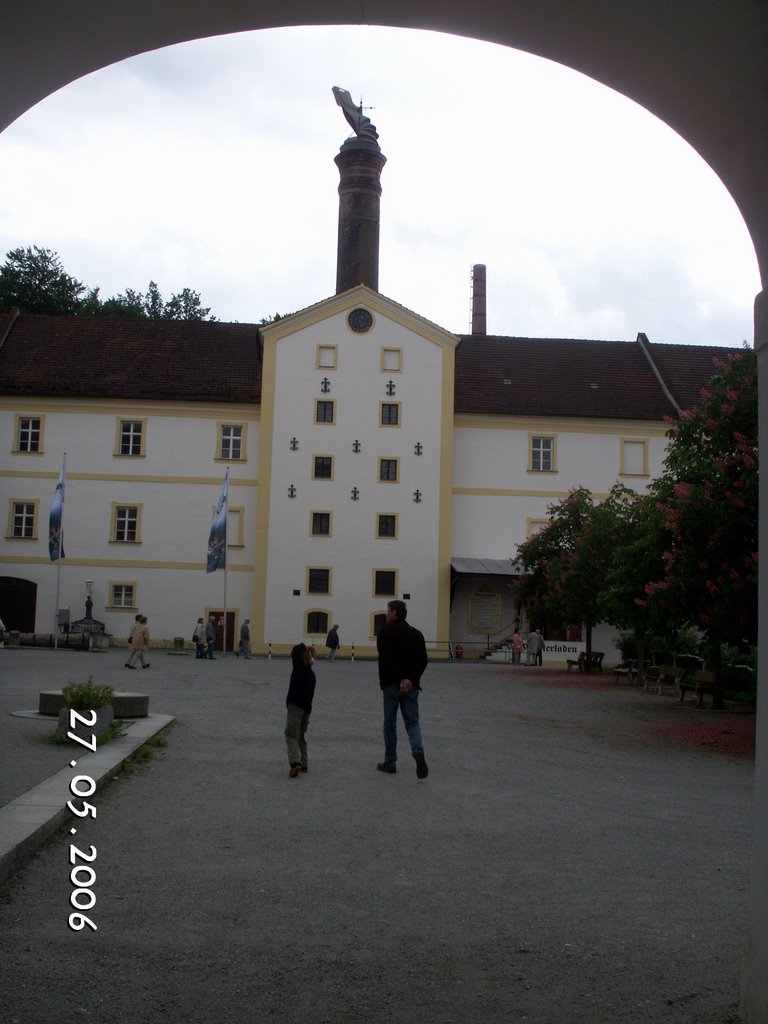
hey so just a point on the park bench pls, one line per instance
(580, 663)
(627, 670)
(702, 682)
(663, 677)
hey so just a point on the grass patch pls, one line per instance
(145, 753)
(116, 728)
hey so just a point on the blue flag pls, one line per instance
(217, 541)
(55, 536)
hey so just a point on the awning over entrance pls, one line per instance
(485, 566)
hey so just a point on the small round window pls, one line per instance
(360, 321)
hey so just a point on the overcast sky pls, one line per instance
(209, 165)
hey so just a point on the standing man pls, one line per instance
(402, 661)
(332, 642)
(210, 637)
(245, 641)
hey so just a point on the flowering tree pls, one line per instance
(707, 497)
(565, 563)
(636, 558)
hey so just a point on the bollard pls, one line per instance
(179, 646)
(269, 650)
(353, 653)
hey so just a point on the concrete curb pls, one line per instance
(27, 822)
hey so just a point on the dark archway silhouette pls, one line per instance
(699, 65)
(18, 603)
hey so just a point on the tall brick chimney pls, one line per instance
(360, 163)
(479, 323)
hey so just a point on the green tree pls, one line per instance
(265, 320)
(183, 305)
(637, 556)
(186, 305)
(708, 497)
(34, 280)
(565, 563)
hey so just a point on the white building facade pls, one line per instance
(370, 454)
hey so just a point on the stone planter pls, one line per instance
(104, 718)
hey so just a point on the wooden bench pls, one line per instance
(663, 676)
(626, 670)
(595, 662)
(702, 682)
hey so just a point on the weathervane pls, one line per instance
(354, 114)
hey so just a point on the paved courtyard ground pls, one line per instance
(578, 855)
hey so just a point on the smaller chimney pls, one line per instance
(479, 323)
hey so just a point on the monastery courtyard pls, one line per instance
(578, 854)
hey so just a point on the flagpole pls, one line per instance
(224, 643)
(226, 524)
(58, 565)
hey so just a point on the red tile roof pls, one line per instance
(103, 357)
(213, 362)
(686, 369)
(567, 377)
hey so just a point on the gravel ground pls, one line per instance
(569, 860)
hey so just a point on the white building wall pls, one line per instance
(175, 484)
(496, 495)
(498, 500)
(353, 552)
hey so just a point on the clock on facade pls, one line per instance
(360, 321)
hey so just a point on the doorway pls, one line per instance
(218, 620)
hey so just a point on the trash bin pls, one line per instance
(459, 652)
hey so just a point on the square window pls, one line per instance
(123, 595)
(325, 411)
(390, 414)
(28, 434)
(379, 622)
(386, 526)
(391, 360)
(542, 454)
(323, 467)
(130, 437)
(126, 528)
(388, 470)
(23, 519)
(326, 357)
(634, 458)
(384, 582)
(533, 526)
(317, 623)
(321, 524)
(231, 442)
(319, 581)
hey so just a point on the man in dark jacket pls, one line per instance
(402, 661)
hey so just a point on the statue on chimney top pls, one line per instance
(354, 114)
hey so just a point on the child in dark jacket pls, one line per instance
(301, 690)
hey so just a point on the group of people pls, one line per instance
(402, 660)
(204, 638)
(533, 647)
(402, 655)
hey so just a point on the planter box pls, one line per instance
(124, 705)
(104, 718)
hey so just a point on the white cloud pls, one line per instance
(210, 165)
